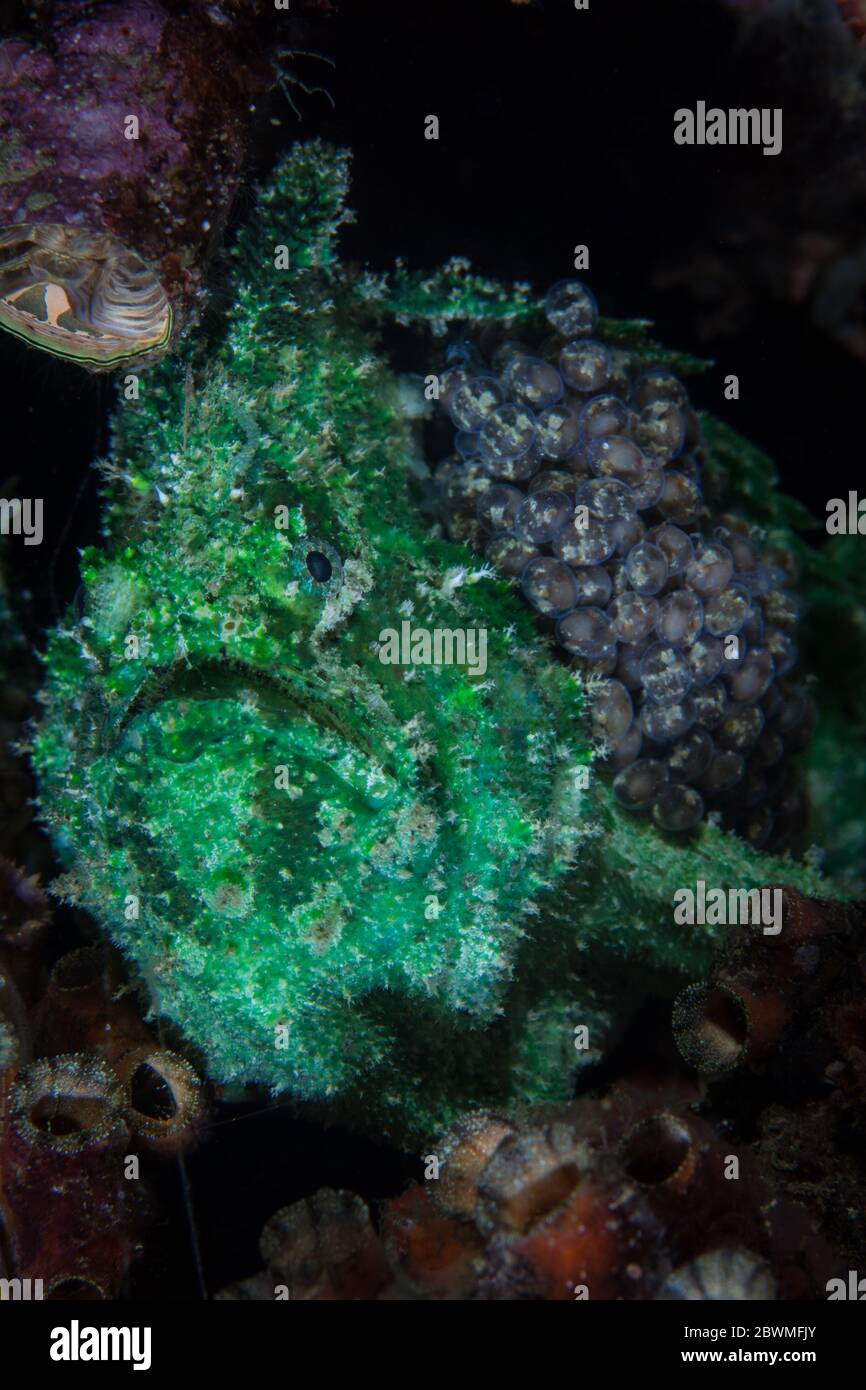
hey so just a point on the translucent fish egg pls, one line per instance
(571, 309)
(661, 429)
(558, 432)
(612, 712)
(753, 627)
(506, 352)
(724, 773)
(633, 616)
(466, 444)
(472, 402)
(463, 354)
(626, 532)
(452, 380)
(585, 365)
(740, 728)
(594, 586)
(586, 632)
(598, 666)
(782, 609)
(648, 492)
(753, 677)
(555, 478)
(602, 416)
(742, 551)
(710, 703)
(466, 483)
(705, 657)
(681, 500)
(674, 544)
(629, 658)
(507, 433)
(692, 754)
(782, 649)
(620, 372)
(647, 569)
(678, 808)
(584, 545)
(508, 553)
(626, 751)
(498, 506)
(681, 618)
(617, 456)
(666, 673)
(542, 515)
(607, 498)
(549, 586)
(769, 750)
(535, 382)
(726, 613)
(658, 385)
(637, 786)
(711, 569)
(666, 723)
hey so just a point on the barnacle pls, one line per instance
(726, 1273)
(616, 1196)
(79, 294)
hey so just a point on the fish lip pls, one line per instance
(301, 693)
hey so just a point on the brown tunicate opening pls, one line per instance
(466, 1149)
(539, 1198)
(164, 1095)
(710, 1027)
(656, 1149)
(151, 1094)
(67, 1103)
(58, 1116)
(528, 1177)
(304, 1240)
(72, 1288)
(79, 970)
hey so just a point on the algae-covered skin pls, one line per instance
(380, 888)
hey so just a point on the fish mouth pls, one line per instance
(244, 793)
(80, 294)
(292, 696)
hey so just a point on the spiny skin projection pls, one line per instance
(578, 471)
(379, 889)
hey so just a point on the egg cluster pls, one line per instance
(577, 470)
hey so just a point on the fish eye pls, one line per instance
(317, 565)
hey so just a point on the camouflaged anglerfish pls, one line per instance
(399, 890)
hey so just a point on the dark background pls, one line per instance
(556, 128)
